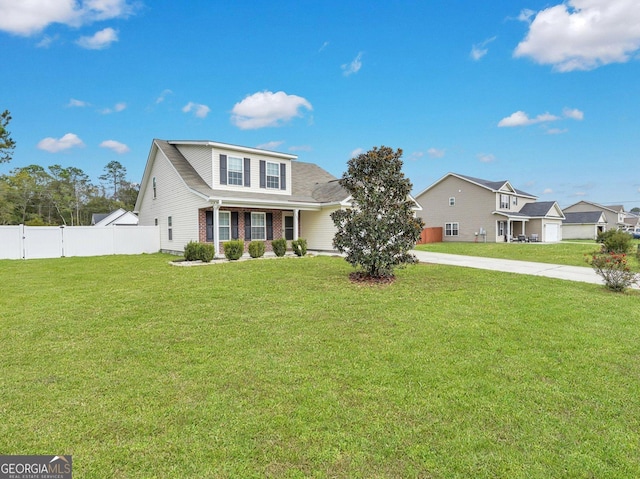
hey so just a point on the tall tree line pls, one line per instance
(56, 195)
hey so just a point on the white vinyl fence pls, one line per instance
(29, 242)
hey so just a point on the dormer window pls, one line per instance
(273, 175)
(234, 171)
(504, 202)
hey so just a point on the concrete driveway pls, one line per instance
(570, 273)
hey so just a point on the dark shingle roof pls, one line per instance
(539, 208)
(493, 185)
(582, 217)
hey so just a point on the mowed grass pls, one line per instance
(284, 369)
(571, 253)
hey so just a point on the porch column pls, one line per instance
(295, 224)
(216, 228)
(508, 230)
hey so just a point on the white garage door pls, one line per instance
(550, 232)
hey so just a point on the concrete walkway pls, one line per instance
(570, 273)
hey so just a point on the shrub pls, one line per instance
(207, 252)
(614, 269)
(299, 246)
(233, 249)
(615, 241)
(256, 249)
(195, 251)
(279, 246)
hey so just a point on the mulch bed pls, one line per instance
(363, 278)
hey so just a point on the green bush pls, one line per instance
(615, 241)
(256, 249)
(233, 249)
(195, 251)
(207, 252)
(191, 251)
(279, 246)
(614, 269)
(299, 246)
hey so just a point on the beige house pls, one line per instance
(473, 209)
(614, 214)
(583, 224)
(213, 192)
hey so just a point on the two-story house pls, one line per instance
(213, 192)
(615, 215)
(473, 209)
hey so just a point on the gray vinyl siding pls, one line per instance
(472, 209)
(173, 199)
(573, 231)
(611, 217)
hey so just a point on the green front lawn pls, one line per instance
(283, 368)
(567, 252)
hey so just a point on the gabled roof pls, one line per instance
(494, 186)
(584, 218)
(117, 217)
(540, 209)
(613, 208)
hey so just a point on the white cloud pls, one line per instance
(324, 45)
(486, 157)
(556, 131)
(353, 67)
(163, 95)
(480, 49)
(100, 40)
(583, 34)
(435, 152)
(520, 118)
(116, 146)
(265, 109)
(73, 103)
(118, 107)
(199, 110)
(52, 145)
(22, 17)
(270, 145)
(300, 148)
(416, 155)
(547, 191)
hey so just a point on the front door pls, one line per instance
(288, 227)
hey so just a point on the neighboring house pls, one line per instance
(119, 217)
(213, 192)
(614, 214)
(583, 224)
(473, 209)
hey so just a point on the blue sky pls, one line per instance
(541, 93)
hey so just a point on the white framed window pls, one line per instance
(154, 188)
(170, 228)
(515, 200)
(451, 229)
(452, 201)
(224, 225)
(273, 175)
(258, 226)
(501, 228)
(234, 171)
(504, 202)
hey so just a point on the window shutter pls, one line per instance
(234, 225)
(247, 172)
(209, 221)
(283, 176)
(223, 169)
(269, 219)
(263, 174)
(247, 226)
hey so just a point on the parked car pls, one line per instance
(636, 235)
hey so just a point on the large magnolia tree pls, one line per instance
(377, 233)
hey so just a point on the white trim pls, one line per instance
(227, 146)
(453, 228)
